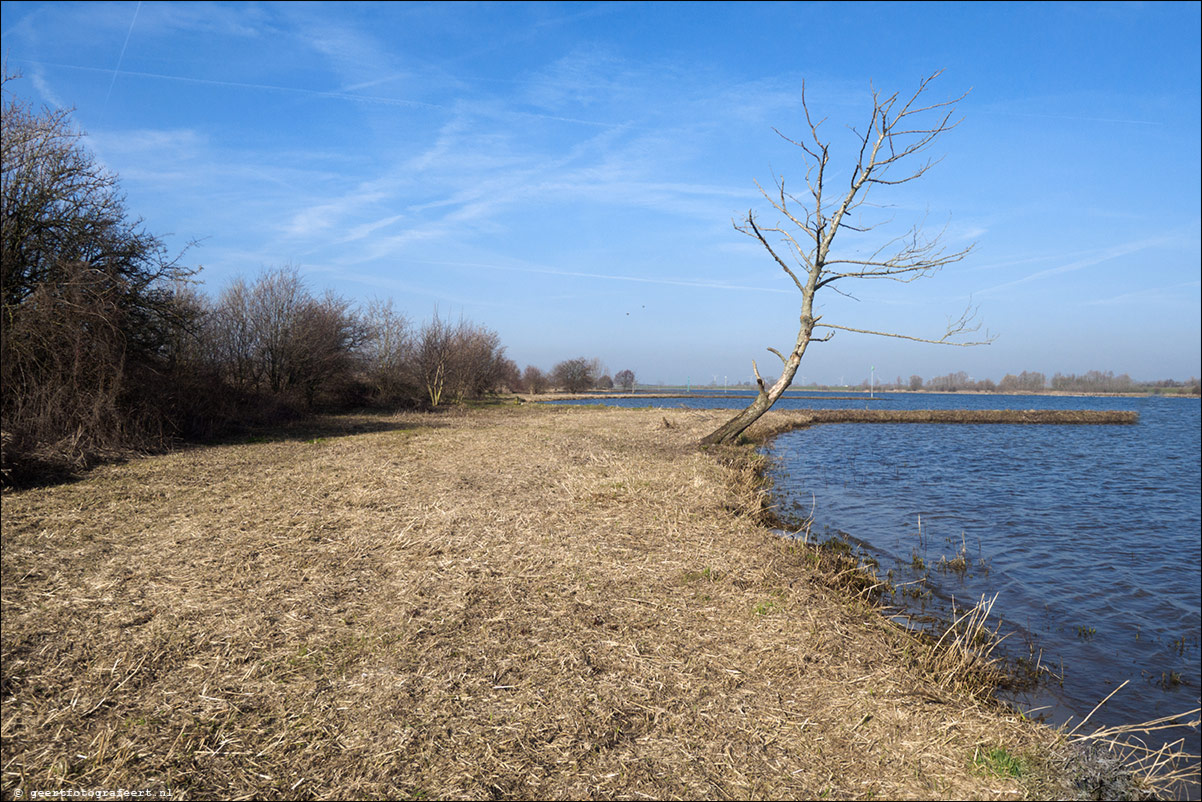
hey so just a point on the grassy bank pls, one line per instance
(522, 602)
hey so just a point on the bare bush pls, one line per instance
(274, 339)
(87, 307)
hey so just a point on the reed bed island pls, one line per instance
(515, 602)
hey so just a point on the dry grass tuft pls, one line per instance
(534, 602)
(963, 655)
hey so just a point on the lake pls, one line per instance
(1089, 535)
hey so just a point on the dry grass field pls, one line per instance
(516, 602)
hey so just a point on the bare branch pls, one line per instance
(962, 325)
(756, 231)
(940, 341)
(904, 267)
(758, 379)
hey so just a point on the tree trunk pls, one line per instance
(730, 431)
(734, 427)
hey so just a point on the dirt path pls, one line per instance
(536, 602)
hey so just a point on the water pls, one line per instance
(1088, 534)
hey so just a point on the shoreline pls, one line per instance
(522, 602)
(800, 393)
(800, 418)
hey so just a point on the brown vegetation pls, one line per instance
(518, 602)
(107, 349)
(797, 419)
(85, 321)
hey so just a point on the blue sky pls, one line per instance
(567, 174)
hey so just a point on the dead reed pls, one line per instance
(1118, 755)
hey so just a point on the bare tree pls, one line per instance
(477, 361)
(432, 356)
(277, 302)
(229, 336)
(1027, 381)
(326, 338)
(273, 338)
(897, 130)
(534, 380)
(386, 352)
(625, 379)
(456, 361)
(574, 375)
(509, 378)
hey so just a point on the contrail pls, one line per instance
(673, 282)
(337, 95)
(121, 57)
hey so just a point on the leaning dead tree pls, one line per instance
(890, 147)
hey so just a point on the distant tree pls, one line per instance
(476, 361)
(897, 129)
(625, 379)
(606, 382)
(431, 362)
(574, 375)
(597, 369)
(950, 383)
(534, 380)
(1025, 382)
(385, 354)
(508, 376)
(1095, 381)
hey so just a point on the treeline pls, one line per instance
(107, 345)
(575, 376)
(1094, 381)
(274, 342)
